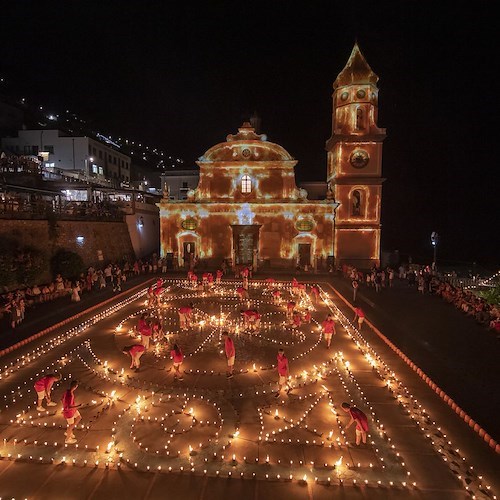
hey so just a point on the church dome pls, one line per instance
(246, 146)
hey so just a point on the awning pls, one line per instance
(13, 187)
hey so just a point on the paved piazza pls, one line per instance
(209, 425)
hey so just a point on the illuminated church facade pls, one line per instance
(247, 208)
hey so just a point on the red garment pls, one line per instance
(328, 326)
(360, 419)
(282, 365)
(359, 312)
(178, 357)
(229, 347)
(250, 313)
(146, 331)
(68, 400)
(141, 324)
(185, 310)
(44, 384)
(290, 306)
(137, 349)
(219, 273)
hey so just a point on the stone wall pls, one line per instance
(94, 241)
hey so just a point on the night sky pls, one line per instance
(183, 78)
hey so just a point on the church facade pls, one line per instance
(247, 208)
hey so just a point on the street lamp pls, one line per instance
(434, 242)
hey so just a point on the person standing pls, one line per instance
(391, 276)
(185, 313)
(230, 353)
(146, 334)
(328, 329)
(245, 273)
(355, 286)
(15, 313)
(360, 316)
(314, 294)
(108, 274)
(135, 351)
(117, 279)
(75, 292)
(178, 358)
(218, 276)
(142, 322)
(70, 412)
(361, 422)
(43, 388)
(283, 372)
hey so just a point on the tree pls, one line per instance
(67, 263)
(492, 295)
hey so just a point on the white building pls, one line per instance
(179, 182)
(85, 157)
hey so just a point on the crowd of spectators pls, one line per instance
(427, 281)
(469, 303)
(16, 304)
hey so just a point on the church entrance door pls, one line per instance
(189, 252)
(304, 254)
(245, 243)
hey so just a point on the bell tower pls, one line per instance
(354, 172)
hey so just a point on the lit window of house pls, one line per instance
(246, 184)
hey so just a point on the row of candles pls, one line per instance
(371, 358)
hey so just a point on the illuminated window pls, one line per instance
(246, 184)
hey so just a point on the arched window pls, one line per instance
(356, 203)
(359, 119)
(246, 184)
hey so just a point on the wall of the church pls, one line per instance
(213, 230)
(357, 246)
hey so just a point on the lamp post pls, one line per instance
(434, 242)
